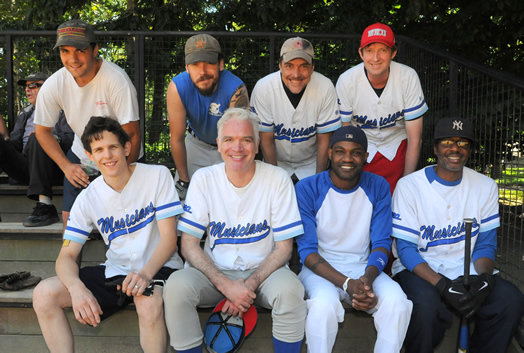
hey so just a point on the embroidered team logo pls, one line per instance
(457, 125)
(377, 32)
(214, 109)
(187, 209)
(200, 44)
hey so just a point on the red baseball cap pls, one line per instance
(250, 316)
(378, 33)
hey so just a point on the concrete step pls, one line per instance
(35, 249)
(19, 330)
(15, 206)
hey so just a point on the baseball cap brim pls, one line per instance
(202, 55)
(39, 76)
(250, 316)
(79, 44)
(387, 43)
(298, 54)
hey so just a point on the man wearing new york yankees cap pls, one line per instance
(86, 86)
(346, 214)
(385, 99)
(429, 208)
(298, 112)
(196, 99)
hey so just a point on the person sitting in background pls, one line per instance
(25, 162)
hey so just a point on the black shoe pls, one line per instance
(43, 215)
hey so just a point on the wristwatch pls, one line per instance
(345, 286)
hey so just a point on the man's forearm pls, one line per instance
(178, 151)
(194, 254)
(276, 259)
(412, 157)
(322, 268)
(267, 144)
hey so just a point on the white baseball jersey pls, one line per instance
(127, 220)
(296, 129)
(430, 212)
(242, 225)
(111, 93)
(382, 118)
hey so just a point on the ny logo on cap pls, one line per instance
(377, 32)
(200, 44)
(457, 125)
(349, 136)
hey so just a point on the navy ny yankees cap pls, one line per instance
(349, 133)
(454, 127)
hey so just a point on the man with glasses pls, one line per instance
(24, 160)
(429, 208)
(86, 86)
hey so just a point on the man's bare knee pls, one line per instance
(150, 309)
(49, 295)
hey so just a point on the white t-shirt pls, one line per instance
(111, 93)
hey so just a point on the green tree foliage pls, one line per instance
(488, 31)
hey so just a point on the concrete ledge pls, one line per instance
(15, 230)
(8, 189)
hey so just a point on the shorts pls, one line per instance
(94, 279)
(393, 170)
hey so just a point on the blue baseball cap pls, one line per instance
(349, 133)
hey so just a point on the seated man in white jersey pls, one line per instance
(86, 86)
(385, 99)
(133, 206)
(249, 210)
(429, 209)
(298, 111)
(346, 214)
(197, 98)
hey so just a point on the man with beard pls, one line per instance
(429, 208)
(197, 98)
(346, 213)
(298, 111)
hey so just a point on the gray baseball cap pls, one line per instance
(202, 47)
(75, 33)
(38, 76)
(297, 47)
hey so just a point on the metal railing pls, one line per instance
(452, 86)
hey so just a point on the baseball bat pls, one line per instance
(463, 334)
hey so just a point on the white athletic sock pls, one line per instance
(45, 199)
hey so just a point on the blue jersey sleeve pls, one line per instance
(408, 254)
(381, 222)
(486, 245)
(307, 242)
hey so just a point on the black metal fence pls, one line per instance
(453, 86)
